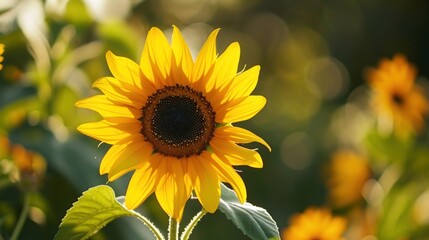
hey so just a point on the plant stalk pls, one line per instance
(22, 218)
(173, 229)
(192, 224)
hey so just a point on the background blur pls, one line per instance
(313, 54)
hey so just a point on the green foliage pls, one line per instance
(396, 219)
(90, 213)
(387, 149)
(408, 159)
(63, 99)
(119, 38)
(253, 221)
(98, 206)
(93, 210)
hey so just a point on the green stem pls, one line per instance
(188, 230)
(22, 218)
(173, 229)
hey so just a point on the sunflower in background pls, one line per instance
(21, 166)
(315, 223)
(398, 101)
(31, 167)
(170, 119)
(4, 146)
(346, 174)
(1, 55)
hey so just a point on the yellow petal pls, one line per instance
(188, 176)
(111, 133)
(124, 69)
(243, 84)
(206, 183)
(228, 174)
(134, 156)
(142, 183)
(145, 63)
(235, 154)
(171, 191)
(238, 135)
(206, 58)
(124, 93)
(225, 67)
(159, 54)
(111, 156)
(107, 108)
(182, 58)
(240, 109)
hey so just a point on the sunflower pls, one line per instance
(1, 55)
(400, 104)
(170, 118)
(346, 175)
(313, 224)
(31, 166)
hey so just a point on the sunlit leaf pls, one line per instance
(93, 210)
(253, 221)
(90, 213)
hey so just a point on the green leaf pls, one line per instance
(92, 211)
(253, 221)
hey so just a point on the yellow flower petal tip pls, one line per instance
(163, 114)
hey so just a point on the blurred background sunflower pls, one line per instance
(315, 223)
(314, 58)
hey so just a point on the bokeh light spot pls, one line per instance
(296, 151)
(327, 78)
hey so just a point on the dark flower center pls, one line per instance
(398, 99)
(178, 121)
